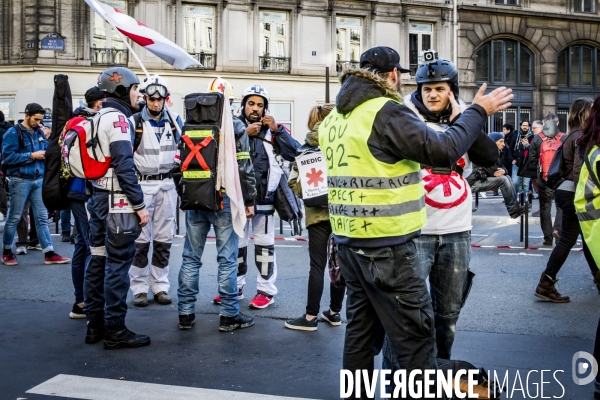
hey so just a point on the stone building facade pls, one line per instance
(547, 51)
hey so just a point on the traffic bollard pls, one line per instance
(527, 202)
(521, 197)
(177, 217)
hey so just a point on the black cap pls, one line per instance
(94, 94)
(383, 59)
(34, 108)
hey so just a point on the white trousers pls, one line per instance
(160, 198)
(263, 230)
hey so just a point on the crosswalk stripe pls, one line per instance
(82, 387)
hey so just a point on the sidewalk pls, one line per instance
(265, 359)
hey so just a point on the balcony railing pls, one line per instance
(108, 56)
(342, 65)
(208, 60)
(274, 64)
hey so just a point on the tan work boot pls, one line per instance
(546, 290)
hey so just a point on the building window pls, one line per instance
(420, 37)
(505, 62)
(348, 31)
(274, 39)
(198, 27)
(282, 112)
(107, 46)
(508, 2)
(512, 115)
(7, 106)
(578, 66)
(586, 6)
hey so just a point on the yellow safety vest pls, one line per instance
(587, 204)
(367, 197)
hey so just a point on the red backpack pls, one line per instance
(547, 150)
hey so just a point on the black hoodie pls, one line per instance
(398, 134)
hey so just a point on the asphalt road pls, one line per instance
(502, 327)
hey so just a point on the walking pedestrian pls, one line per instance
(565, 196)
(319, 230)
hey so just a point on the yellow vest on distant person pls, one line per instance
(368, 198)
(587, 204)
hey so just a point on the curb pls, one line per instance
(252, 238)
(502, 220)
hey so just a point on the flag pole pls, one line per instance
(143, 69)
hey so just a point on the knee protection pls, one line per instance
(264, 256)
(242, 261)
(160, 254)
(140, 260)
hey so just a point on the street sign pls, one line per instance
(53, 41)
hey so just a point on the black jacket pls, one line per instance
(245, 167)
(284, 145)
(4, 126)
(398, 134)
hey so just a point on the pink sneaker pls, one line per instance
(9, 259)
(56, 259)
(217, 299)
(261, 301)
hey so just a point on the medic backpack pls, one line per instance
(195, 178)
(81, 151)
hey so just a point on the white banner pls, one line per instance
(312, 174)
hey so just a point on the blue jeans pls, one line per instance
(65, 221)
(445, 259)
(82, 247)
(198, 225)
(520, 183)
(20, 191)
(107, 268)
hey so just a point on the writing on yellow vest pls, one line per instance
(587, 204)
(368, 198)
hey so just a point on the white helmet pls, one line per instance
(154, 85)
(218, 85)
(256, 90)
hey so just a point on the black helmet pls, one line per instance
(440, 70)
(116, 81)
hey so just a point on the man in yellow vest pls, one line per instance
(373, 146)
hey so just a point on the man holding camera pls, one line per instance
(496, 177)
(519, 148)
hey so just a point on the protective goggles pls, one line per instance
(154, 89)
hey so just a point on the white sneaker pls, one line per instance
(483, 194)
(21, 250)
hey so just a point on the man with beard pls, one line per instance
(154, 146)
(373, 145)
(518, 145)
(267, 139)
(106, 281)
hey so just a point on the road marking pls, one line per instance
(81, 387)
(478, 235)
(479, 246)
(521, 254)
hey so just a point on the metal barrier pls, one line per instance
(476, 206)
(524, 199)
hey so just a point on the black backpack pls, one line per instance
(195, 178)
(556, 172)
(288, 205)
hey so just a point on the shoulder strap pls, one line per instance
(139, 130)
(542, 136)
(586, 159)
(20, 135)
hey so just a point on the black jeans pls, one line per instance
(318, 235)
(386, 295)
(545, 196)
(568, 235)
(82, 247)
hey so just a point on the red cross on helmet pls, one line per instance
(219, 85)
(110, 79)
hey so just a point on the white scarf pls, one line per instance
(228, 176)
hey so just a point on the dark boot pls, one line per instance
(95, 328)
(240, 321)
(546, 290)
(596, 275)
(124, 338)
